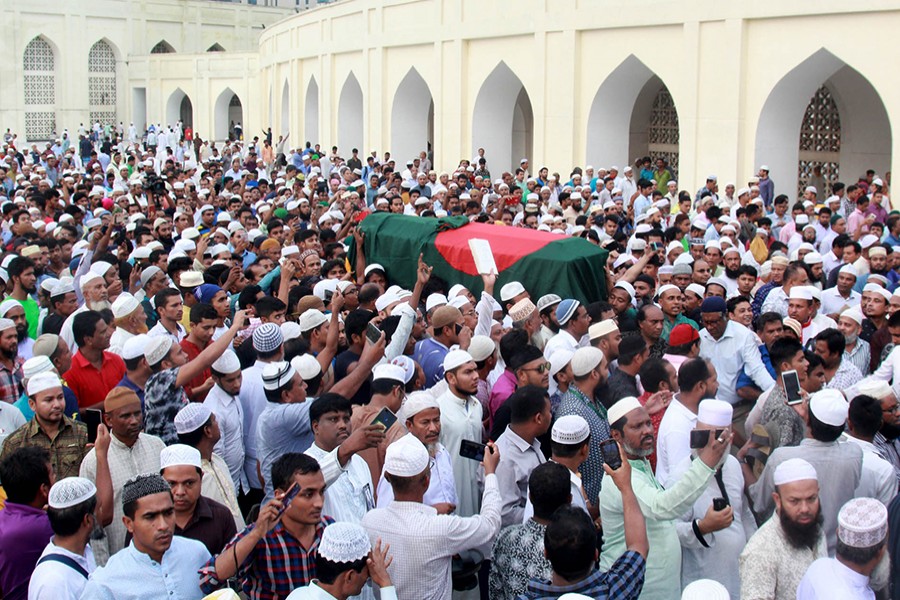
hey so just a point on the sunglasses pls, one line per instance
(541, 368)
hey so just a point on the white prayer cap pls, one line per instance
(43, 382)
(877, 251)
(559, 359)
(290, 330)
(854, 314)
(730, 249)
(227, 363)
(277, 374)
(87, 278)
(100, 267)
(456, 290)
(36, 365)
(800, 292)
(877, 289)
(9, 304)
(585, 360)
(62, 287)
(570, 429)
(848, 269)
(124, 305)
(667, 288)
(862, 523)
(192, 417)
(190, 233)
(481, 347)
(311, 319)
(683, 259)
(622, 408)
(713, 244)
(829, 406)
(876, 388)
(179, 455)
(134, 346)
(389, 371)
(407, 364)
(813, 258)
(811, 189)
(455, 359)
(695, 288)
(713, 412)
(157, 348)
(598, 330)
(801, 219)
(415, 403)
(344, 542)
(511, 290)
(794, 469)
(70, 491)
(624, 285)
(324, 287)
(407, 457)
(307, 365)
(458, 301)
(704, 589)
(867, 240)
(435, 300)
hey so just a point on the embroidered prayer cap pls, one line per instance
(800, 292)
(455, 359)
(622, 408)
(158, 347)
(408, 365)
(566, 310)
(43, 382)
(547, 300)
(876, 388)
(862, 523)
(344, 542)
(267, 337)
(227, 363)
(511, 290)
(713, 412)
(311, 319)
(521, 310)
(124, 305)
(70, 491)
(794, 469)
(407, 457)
(481, 347)
(830, 407)
(458, 302)
(598, 330)
(374, 267)
(148, 274)
(570, 429)
(192, 417)
(141, 486)
(794, 325)
(179, 455)
(63, 287)
(307, 366)
(191, 279)
(682, 268)
(277, 374)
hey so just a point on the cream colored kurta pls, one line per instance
(461, 420)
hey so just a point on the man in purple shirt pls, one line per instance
(27, 476)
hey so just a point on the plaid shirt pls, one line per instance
(623, 581)
(67, 449)
(276, 566)
(11, 381)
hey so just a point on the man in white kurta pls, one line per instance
(461, 415)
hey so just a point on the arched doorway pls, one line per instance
(311, 112)
(162, 47)
(179, 108)
(503, 121)
(632, 115)
(229, 116)
(412, 118)
(350, 116)
(822, 112)
(286, 108)
(102, 83)
(39, 64)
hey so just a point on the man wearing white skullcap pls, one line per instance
(341, 566)
(70, 508)
(842, 296)
(776, 556)
(428, 541)
(63, 437)
(10, 363)
(422, 416)
(825, 421)
(862, 543)
(631, 427)
(712, 540)
(461, 419)
(223, 401)
(15, 312)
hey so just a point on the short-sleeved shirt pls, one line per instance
(26, 531)
(67, 448)
(193, 351)
(90, 384)
(162, 401)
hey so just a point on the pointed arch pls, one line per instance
(865, 135)
(285, 108)
(39, 66)
(311, 112)
(162, 47)
(179, 108)
(217, 47)
(503, 120)
(228, 113)
(632, 115)
(412, 118)
(102, 82)
(350, 116)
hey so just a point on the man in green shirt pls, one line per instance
(23, 284)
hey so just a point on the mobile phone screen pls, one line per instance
(373, 334)
(386, 417)
(611, 454)
(92, 418)
(288, 497)
(791, 387)
(473, 450)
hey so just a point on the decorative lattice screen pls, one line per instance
(820, 140)
(102, 83)
(662, 133)
(39, 65)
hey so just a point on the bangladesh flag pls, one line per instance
(543, 262)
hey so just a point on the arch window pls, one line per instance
(102, 83)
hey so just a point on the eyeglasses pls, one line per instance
(541, 368)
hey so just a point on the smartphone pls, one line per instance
(719, 504)
(473, 450)
(655, 246)
(328, 295)
(611, 456)
(373, 334)
(386, 417)
(92, 418)
(791, 382)
(288, 497)
(700, 437)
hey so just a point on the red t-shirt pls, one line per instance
(90, 385)
(193, 351)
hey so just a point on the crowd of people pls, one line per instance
(206, 390)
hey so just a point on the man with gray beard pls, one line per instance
(422, 416)
(96, 298)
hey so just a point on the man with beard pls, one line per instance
(10, 363)
(878, 265)
(546, 306)
(696, 382)
(670, 299)
(632, 428)
(94, 371)
(63, 303)
(779, 553)
(422, 416)
(731, 263)
(23, 281)
(130, 321)
(96, 298)
(15, 312)
(162, 227)
(826, 416)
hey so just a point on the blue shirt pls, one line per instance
(744, 380)
(430, 354)
(127, 383)
(281, 429)
(623, 581)
(133, 575)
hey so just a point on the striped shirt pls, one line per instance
(623, 581)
